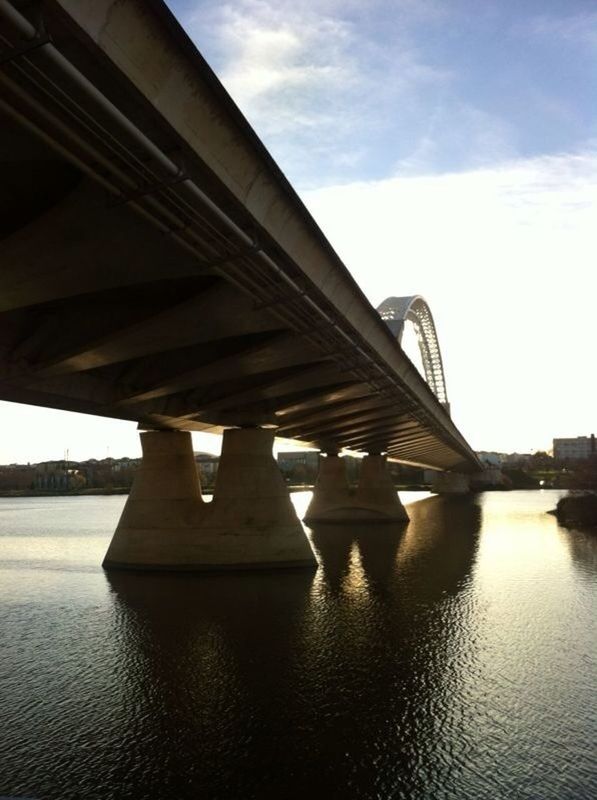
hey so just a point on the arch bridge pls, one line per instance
(396, 311)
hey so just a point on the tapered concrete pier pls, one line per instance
(331, 494)
(375, 499)
(250, 523)
(377, 492)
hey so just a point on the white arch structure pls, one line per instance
(395, 311)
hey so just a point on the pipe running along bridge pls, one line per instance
(156, 266)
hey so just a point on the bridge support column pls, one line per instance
(451, 483)
(377, 492)
(375, 499)
(331, 495)
(250, 523)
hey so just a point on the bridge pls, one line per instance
(157, 266)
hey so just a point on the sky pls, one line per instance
(446, 148)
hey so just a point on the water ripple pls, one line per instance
(448, 660)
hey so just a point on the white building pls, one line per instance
(579, 448)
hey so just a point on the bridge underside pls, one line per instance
(102, 313)
(129, 293)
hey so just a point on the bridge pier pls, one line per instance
(331, 493)
(377, 492)
(451, 483)
(375, 499)
(250, 523)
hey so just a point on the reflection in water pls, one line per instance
(216, 653)
(441, 540)
(581, 545)
(379, 644)
(414, 660)
(353, 557)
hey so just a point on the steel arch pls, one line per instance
(395, 311)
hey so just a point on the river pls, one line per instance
(452, 658)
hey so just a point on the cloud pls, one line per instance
(317, 86)
(506, 256)
(273, 57)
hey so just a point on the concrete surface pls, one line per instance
(250, 523)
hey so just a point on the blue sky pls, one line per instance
(344, 91)
(446, 148)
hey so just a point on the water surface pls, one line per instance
(452, 658)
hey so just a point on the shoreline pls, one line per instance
(8, 493)
(58, 493)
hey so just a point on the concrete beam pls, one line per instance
(409, 437)
(309, 381)
(406, 450)
(213, 404)
(338, 413)
(217, 313)
(363, 425)
(280, 352)
(44, 261)
(309, 409)
(346, 423)
(387, 430)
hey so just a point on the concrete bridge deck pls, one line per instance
(157, 266)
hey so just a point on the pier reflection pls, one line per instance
(581, 545)
(440, 544)
(349, 554)
(267, 684)
(211, 666)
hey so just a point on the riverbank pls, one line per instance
(577, 510)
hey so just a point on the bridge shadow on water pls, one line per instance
(287, 684)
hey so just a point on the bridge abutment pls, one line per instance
(375, 499)
(250, 523)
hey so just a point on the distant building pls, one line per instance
(491, 458)
(299, 467)
(207, 465)
(53, 475)
(16, 476)
(578, 449)
(494, 459)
